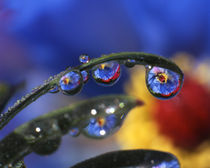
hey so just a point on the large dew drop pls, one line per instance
(101, 127)
(71, 83)
(162, 83)
(106, 73)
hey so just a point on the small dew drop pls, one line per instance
(130, 63)
(107, 73)
(74, 132)
(54, 89)
(85, 76)
(84, 59)
(71, 83)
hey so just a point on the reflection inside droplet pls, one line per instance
(101, 127)
(171, 164)
(85, 76)
(106, 73)
(55, 89)
(74, 132)
(163, 83)
(71, 83)
(84, 59)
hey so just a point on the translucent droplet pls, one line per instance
(163, 83)
(101, 127)
(71, 83)
(130, 63)
(85, 76)
(46, 146)
(84, 59)
(55, 89)
(106, 73)
(74, 132)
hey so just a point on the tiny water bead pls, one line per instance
(84, 59)
(54, 89)
(162, 83)
(130, 63)
(85, 76)
(106, 73)
(74, 132)
(101, 127)
(71, 83)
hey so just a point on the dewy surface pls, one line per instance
(43, 134)
(123, 58)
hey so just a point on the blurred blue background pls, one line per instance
(39, 38)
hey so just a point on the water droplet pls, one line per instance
(163, 83)
(71, 83)
(74, 132)
(46, 146)
(101, 127)
(106, 73)
(130, 63)
(84, 59)
(85, 76)
(54, 89)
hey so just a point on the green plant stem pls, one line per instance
(140, 58)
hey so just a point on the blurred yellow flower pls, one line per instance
(180, 125)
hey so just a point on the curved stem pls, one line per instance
(140, 58)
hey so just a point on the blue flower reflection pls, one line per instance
(171, 164)
(101, 127)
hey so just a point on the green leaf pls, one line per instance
(43, 134)
(131, 159)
